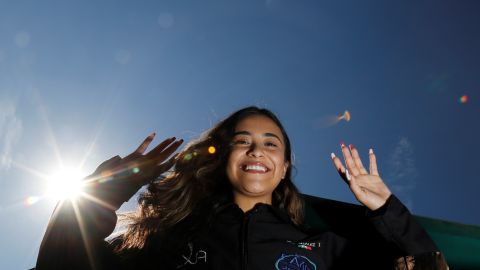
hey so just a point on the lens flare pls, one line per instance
(212, 150)
(31, 200)
(187, 157)
(2, 55)
(22, 39)
(463, 99)
(166, 20)
(123, 56)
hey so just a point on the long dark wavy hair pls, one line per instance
(199, 183)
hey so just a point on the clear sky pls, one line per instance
(82, 81)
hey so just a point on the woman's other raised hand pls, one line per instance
(117, 179)
(368, 187)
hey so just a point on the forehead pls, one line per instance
(258, 124)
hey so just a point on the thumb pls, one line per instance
(112, 162)
(356, 189)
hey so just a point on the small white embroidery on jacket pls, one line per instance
(193, 257)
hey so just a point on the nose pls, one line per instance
(255, 151)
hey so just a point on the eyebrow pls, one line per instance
(268, 134)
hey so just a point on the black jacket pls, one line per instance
(263, 238)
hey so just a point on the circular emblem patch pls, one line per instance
(294, 262)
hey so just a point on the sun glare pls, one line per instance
(65, 184)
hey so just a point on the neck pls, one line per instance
(246, 203)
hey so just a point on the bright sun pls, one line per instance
(66, 183)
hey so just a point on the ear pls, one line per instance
(285, 168)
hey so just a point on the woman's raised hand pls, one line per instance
(368, 188)
(117, 179)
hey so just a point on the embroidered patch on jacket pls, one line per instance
(294, 262)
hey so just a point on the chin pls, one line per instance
(256, 192)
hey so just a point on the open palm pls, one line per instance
(367, 187)
(117, 179)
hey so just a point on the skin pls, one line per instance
(258, 141)
(367, 187)
(251, 145)
(148, 165)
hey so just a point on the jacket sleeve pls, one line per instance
(75, 235)
(397, 226)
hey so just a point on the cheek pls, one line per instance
(232, 163)
(280, 164)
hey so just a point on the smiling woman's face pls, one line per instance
(256, 164)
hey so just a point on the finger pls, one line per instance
(349, 160)
(161, 146)
(347, 175)
(357, 160)
(340, 168)
(373, 162)
(166, 165)
(141, 149)
(161, 156)
(110, 163)
(114, 159)
(160, 169)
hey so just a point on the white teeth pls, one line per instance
(255, 168)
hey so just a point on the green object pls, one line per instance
(459, 243)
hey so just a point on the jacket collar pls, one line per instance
(232, 210)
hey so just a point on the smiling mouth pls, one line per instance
(254, 168)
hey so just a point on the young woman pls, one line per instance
(228, 203)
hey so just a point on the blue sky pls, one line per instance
(81, 81)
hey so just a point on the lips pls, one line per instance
(255, 167)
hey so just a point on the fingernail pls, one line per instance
(347, 174)
(153, 134)
(173, 138)
(342, 144)
(332, 155)
(351, 146)
(370, 151)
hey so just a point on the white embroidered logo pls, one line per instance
(193, 257)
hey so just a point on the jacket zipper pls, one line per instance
(244, 241)
(246, 220)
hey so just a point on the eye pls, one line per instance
(240, 142)
(270, 144)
